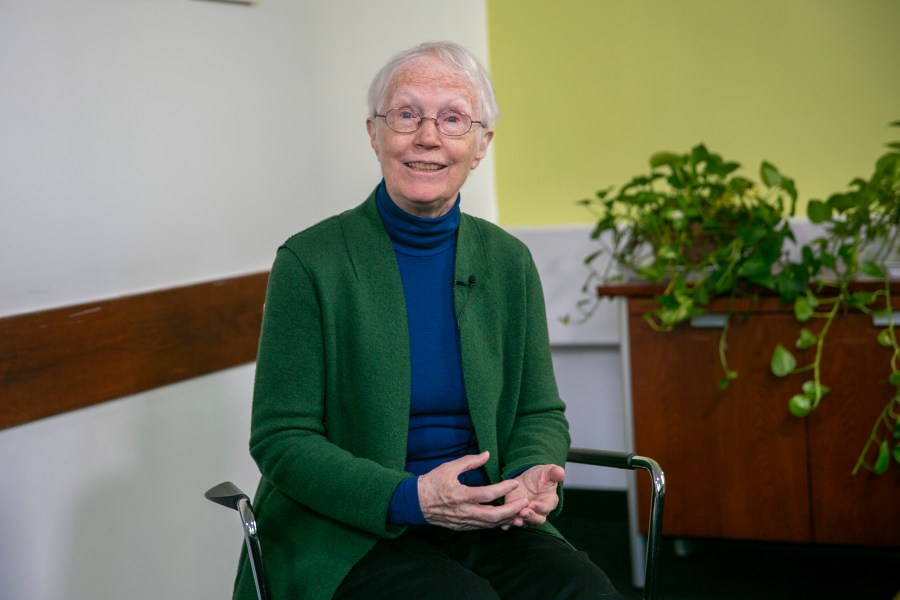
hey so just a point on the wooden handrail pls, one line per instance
(67, 358)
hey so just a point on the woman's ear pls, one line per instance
(370, 127)
(484, 142)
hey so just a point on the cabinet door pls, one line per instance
(735, 461)
(847, 508)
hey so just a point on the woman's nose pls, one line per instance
(428, 132)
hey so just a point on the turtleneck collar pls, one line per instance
(419, 236)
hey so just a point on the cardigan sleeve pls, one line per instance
(289, 426)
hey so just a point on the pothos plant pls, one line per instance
(861, 232)
(695, 223)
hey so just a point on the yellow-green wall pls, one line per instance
(588, 89)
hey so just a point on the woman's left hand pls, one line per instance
(537, 485)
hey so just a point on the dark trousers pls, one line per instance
(435, 563)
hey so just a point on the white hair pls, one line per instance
(456, 57)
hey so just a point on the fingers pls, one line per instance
(556, 473)
(446, 502)
(474, 516)
(470, 461)
(533, 517)
(516, 522)
(542, 476)
(446, 479)
(539, 486)
(529, 498)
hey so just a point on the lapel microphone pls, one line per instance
(470, 284)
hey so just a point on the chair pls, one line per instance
(228, 494)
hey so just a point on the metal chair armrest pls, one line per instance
(632, 461)
(229, 495)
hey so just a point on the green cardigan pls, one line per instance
(332, 391)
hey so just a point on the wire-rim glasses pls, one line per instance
(406, 120)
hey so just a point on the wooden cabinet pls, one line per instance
(738, 465)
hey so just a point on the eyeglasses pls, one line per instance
(450, 123)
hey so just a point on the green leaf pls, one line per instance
(814, 392)
(726, 381)
(681, 312)
(730, 167)
(897, 453)
(668, 253)
(885, 338)
(782, 362)
(883, 460)
(872, 269)
(803, 311)
(791, 282)
(769, 174)
(799, 405)
(843, 202)
(756, 266)
(848, 253)
(894, 379)
(664, 158)
(858, 299)
(652, 272)
(700, 154)
(790, 187)
(818, 211)
(807, 339)
(828, 260)
(812, 299)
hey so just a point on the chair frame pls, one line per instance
(631, 462)
(229, 495)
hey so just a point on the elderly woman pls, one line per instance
(406, 420)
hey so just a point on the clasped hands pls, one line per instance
(528, 498)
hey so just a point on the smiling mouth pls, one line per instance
(421, 166)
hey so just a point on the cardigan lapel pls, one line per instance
(371, 252)
(476, 322)
(471, 259)
(384, 332)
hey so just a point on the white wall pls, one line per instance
(150, 142)
(146, 144)
(106, 502)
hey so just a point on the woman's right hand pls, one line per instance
(448, 503)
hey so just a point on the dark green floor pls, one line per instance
(729, 570)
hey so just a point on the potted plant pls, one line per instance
(697, 224)
(705, 231)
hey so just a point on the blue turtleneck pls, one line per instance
(440, 428)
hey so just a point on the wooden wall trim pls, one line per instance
(62, 359)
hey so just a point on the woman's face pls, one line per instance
(424, 170)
